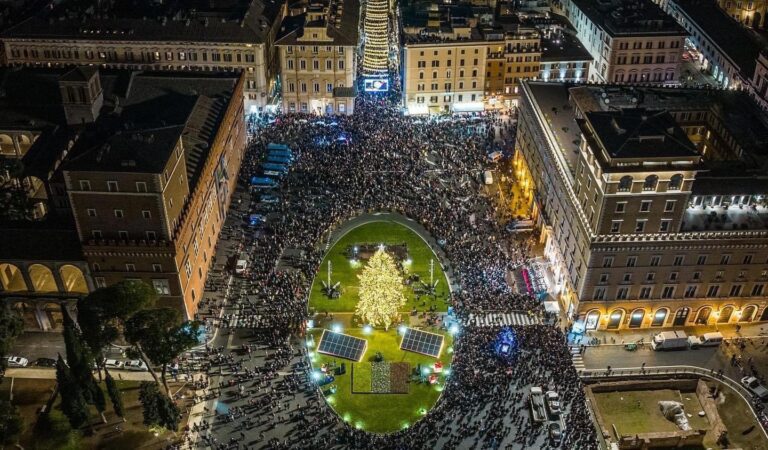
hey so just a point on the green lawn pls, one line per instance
(382, 413)
(635, 412)
(361, 377)
(737, 419)
(384, 232)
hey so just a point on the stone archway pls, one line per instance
(764, 315)
(748, 313)
(42, 278)
(52, 313)
(11, 278)
(725, 314)
(681, 316)
(73, 280)
(615, 318)
(702, 316)
(636, 318)
(27, 314)
(659, 317)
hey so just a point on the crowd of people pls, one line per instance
(425, 169)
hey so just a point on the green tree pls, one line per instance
(11, 327)
(15, 204)
(160, 336)
(73, 403)
(115, 395)
(53, 431)
(11, 424)
(381, 290)
(149, 396)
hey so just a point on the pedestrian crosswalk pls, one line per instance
(502, 319)
(578, 360)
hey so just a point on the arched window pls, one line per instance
(42, 278)
(11, 278)
(625, 184)
(748, 313)
(725, 314)
(676, 182)
(636, 318)
(659, 317)
(650, 183)
(73, 279)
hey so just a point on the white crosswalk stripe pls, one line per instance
(578, 360)
(502, 319)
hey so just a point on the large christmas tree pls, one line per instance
(381, 291)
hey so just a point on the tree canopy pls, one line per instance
(381, 290)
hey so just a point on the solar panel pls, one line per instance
(423, 342)
(342, 345)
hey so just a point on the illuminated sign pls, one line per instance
(376, 85)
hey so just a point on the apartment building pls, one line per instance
(652, 202)
(317, 43)
(194, 35)
(630, 41)
(759, 85)
(141, 182)
(727, 50)
(750, 13)
(563, 58)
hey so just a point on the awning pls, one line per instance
(468, 107)
(552, 307)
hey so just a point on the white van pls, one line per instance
(241, 265)
(713, 339)
(488, 177)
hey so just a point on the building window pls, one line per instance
(675, 183)
(151, 235)
(655, 260)
(668, 292)
(130, 267)
(599, 294)
(118, 213)
(603, 278)
(631, 261)
(85, 185)
(701, 260)
(141, 186)
(625, 184)
(615, 226)
(690, 291)
(650, 183)
(157, 268)
(112, 186)
(608, 261)
(96, 234)
(669, 206)
(665, 226)
(162, 287)
(640, 226)
(91, 212)
(645, 292)
(645, 205)
(713, 290)
(736, 290)
(101, 282)
(725, 259)
(678, 260)
(757, 290)
(747, 259)
(620, 206)
(622, 293)
(146, 214)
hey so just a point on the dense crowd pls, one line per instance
(425, 169)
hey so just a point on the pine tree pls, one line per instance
(170, 415)
(115, 395)
(72, 402)
(381, 291)
(79, 360)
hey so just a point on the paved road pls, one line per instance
(50, 374)
(43, 344)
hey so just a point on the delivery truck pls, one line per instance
(670, 340)
(538, 410)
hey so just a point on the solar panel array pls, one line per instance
(423, 342)
(342, 345)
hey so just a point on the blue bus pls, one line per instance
(263, 182)
(275, 167)
(278, 159)
(281, 147)
(281, 153)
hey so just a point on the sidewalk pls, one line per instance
(50, 374)
(621, 337)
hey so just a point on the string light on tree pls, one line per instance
(376, 45)
(381, 291)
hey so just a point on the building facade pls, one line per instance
(142, 190)
(652, 207)
(751, 13)
(629, 41)
(193, 37)
(318, 49)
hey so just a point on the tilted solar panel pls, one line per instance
(423, 342)
(342, 345)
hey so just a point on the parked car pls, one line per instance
(17, 361)
(45, 362)
(553, 403)
(269, 198)
(136, 365)
(555, 432)
(113, 364)
(754, 386)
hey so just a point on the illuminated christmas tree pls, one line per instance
(381, 291)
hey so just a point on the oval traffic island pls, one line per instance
(377, 351)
